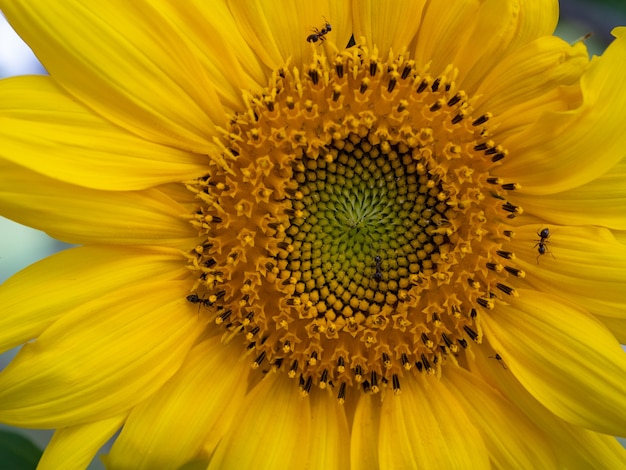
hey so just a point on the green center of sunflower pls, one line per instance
(353, 231)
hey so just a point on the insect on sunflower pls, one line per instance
(317, 254)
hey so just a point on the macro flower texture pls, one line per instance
(317, 234)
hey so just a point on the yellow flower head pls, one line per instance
(317, 235)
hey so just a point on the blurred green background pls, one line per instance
(21, 246)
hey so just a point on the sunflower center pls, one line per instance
(353, 230)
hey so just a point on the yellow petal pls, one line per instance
(601, 201)
(387, 27)
(565, 358)
(272, 429)
(501, 423)
(552, 155)
(128, 62)
(330, 436)
(194, 408)
(80, 215)
(210, 32)
(576, 448)
(277, 30)
(365, 431)
(499, 28)
(427, 427)
(566, 269)
(47, 131)
(37, 296)
(74, 447)
(101, 358)
(617, 327)
(534, 70)
(443, 30)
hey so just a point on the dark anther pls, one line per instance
(509, 186)
(498, 156)
(339, 70)
(425, 362)
(419, 366)
(341, 396)
(396, 382)
(435, 86)
(454, 100)
(483, 302)
(224, 316)
(391, 85)
(307, 385)
(405, 359)
(463, 343)
(481, 147)
(254, 330)
(471, 333)
(406, 71)
(373, 68)
(510, 208)
(446, 339)
(374, 378)
(422, 86)
(324, 377)
(314, 76)
(481, 120)
(504, 254)
(424, 338)
(363, 87)
(504, 288)
(456, 119)
(435, 106)
(385, 359)
(259, 358)
(270, 106)
(516, 272)
(473, 313)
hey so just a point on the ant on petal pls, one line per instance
(542, 243)
(498, 358)
(319, 34)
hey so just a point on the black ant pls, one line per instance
(194, 299)
(542, 243)
(498, 358)
(378, 275)
(318, 34)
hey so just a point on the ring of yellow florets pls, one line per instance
(357, 231)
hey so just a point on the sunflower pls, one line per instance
(317, 235)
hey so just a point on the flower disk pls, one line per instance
(353, 197)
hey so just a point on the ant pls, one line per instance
(498, 358)
(318, 34)
(542, 243)
(378, 275)
(194, 299)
